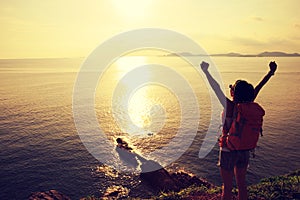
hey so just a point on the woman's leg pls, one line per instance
(227, 177)
(240, 176)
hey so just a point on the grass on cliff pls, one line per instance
(277, 187)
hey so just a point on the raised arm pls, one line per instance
(214, 84)
(273, 67)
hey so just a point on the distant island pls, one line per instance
(263, 54)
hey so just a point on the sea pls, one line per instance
(41, 147)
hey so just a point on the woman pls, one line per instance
(235, 163)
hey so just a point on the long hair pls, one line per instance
(243, 92)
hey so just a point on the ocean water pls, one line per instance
(40, 148)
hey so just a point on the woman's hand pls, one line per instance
(273, 67)
(204, 66)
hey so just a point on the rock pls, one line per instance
(116, 192)
(185, 180)
(160, 179)
(48, 195)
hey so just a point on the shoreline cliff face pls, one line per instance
(191, 187)
(274, 188)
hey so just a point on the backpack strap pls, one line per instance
(234, 117)
(239, 123)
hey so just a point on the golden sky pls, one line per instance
(73, 28)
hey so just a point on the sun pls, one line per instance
(132, 9)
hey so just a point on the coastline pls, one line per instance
(276, 187)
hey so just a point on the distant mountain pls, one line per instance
(263, 54)
(278, 54)
(181, 54)
(228, 54)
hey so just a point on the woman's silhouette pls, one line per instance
(234, 163)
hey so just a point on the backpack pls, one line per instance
(245, 127)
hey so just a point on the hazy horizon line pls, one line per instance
(230, 54)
